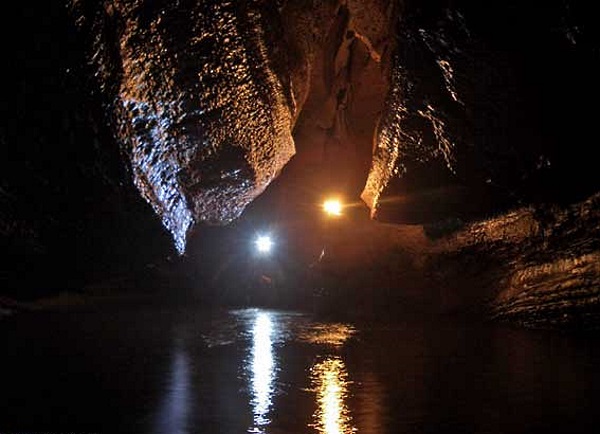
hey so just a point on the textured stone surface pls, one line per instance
(197, 103)
(480, 113)
(476, 122)
(539, 267)
(205, 97)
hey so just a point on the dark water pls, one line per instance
(183, 370)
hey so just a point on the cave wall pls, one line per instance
(466, 128)
(201, 101)
(485, 110)
(427, 110)
(69, 214)
(537, 266)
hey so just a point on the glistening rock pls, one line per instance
(198, 102)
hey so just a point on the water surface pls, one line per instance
(171, 370)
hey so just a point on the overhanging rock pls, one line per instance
(198, 102)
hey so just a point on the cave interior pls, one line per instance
(146, 144)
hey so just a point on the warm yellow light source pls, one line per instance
(332, 207)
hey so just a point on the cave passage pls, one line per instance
(297, 216)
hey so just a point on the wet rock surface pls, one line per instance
(197, 103)
(536, 266)
(485, 110)
(69, 213)
(467, 129)
(464, 110)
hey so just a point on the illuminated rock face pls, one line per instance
(205, 95)
(539, 267)
(467, 110)
(203, 113)
(483, 111)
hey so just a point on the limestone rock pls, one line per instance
(196, 99)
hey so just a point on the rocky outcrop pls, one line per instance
(478, 117)
(68, 210)
(554, 278)
(201, 100)
(484, 110)
(537, 266)
(470, 124)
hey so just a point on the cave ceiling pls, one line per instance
(418, 111)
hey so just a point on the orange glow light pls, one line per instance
(332, 207)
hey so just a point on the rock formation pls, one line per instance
(205, 98)
(199, 100)
(482, 113)
(466, 128)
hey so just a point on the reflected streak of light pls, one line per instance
(173, 417)
(327, 334)
(263, 369)
(330, 381)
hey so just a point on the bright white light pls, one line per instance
(333, 207)
(264, 244)
(263, 370)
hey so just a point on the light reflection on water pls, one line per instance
(328, 376)
(334, 334)
(261, 333)
(173, 414)
(330, 381)
(275, 372)
(263, 370)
